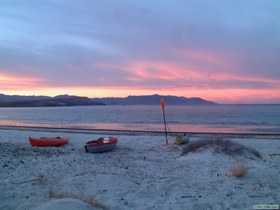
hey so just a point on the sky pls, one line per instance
(222, 51)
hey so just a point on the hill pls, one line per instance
(66, 100)
(154, 100)
(8, 98)
(63, 100)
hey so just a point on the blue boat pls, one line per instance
(101, 145)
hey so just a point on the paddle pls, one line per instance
(164, 121)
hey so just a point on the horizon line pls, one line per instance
(156, 94)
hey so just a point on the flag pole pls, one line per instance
(164, 121)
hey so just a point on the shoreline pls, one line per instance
(139, 132)
(141, 173)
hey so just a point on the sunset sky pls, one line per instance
(223, 51)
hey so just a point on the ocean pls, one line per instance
(202, 118)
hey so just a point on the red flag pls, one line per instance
(162, 103)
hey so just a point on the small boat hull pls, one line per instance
(48, 142)
(101, 145)
(181, 139)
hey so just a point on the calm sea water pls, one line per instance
(216, 118)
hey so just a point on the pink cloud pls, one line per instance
(13, 82)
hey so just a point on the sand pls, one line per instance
(141, 173)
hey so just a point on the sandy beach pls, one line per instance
(141, 173)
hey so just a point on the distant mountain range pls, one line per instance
(154, 100)
(45, 101)
(66, 100)
(7, 98)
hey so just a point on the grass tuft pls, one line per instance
(239, 170)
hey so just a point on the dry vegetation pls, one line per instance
(219, 145)
(240, 170)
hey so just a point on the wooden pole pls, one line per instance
(164, 120)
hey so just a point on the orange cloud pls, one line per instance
(13, 82)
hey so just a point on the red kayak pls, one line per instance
(48, 142)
